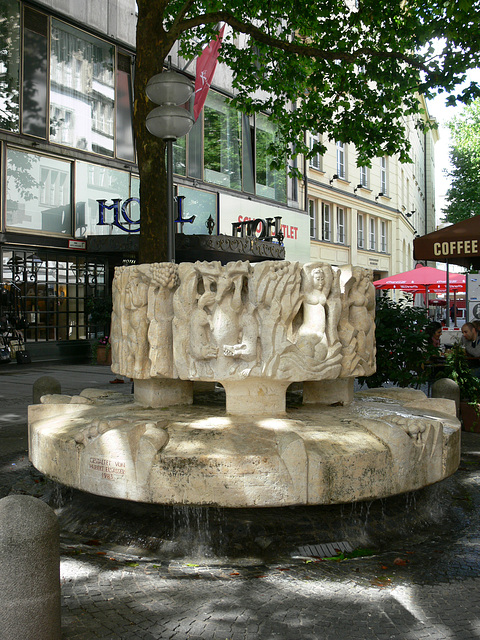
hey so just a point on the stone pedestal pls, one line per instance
(255, 397)
(158, 392)
(330, 392)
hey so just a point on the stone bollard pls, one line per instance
(45, 385)
(447, 388)
(29, 570)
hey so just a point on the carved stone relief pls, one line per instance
(278, 320)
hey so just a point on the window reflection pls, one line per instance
(38, 192)
(222, 142)
(95, 182)
(9, 64)
(270, 183)
(81, 90)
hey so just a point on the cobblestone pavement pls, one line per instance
(411, 581)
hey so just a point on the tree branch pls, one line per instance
(296, 47)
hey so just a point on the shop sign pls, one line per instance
(77, 244)
(117, 211)
(260, 228)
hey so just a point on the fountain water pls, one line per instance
(255, 329)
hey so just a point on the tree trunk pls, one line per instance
(153, 46)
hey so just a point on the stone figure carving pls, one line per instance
(271, 321)
(163, 281)
(358, 326)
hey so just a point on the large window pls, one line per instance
(38, 192)
(82, 90)
(9, 65)
(222, 142)
(270, 183)
(47, 292)
(95, 182)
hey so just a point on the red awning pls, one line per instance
(421, 279)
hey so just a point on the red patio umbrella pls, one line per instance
(423, 280)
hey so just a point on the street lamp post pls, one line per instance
(169, 121)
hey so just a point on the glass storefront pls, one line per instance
(44, 294)
(38, 193)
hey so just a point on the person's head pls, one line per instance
(434, 330)
(469, 331)
(476, 324)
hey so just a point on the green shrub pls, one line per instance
(403, 346)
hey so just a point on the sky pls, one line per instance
(438, 110)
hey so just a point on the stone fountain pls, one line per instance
(254, 330)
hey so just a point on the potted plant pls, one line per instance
(458, 369)
(102, 351)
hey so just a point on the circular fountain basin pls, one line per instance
(388, 441)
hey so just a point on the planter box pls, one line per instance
(470, 415)
(104, 355)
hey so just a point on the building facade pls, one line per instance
(69, 196)
(370, 216)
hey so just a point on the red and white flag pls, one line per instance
(206, 64)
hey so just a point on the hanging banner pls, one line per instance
(206, 64)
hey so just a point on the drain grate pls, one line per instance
(325, 550)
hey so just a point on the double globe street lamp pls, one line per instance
(169, 121)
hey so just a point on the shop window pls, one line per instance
(38, 192)
(222, 142)
(270, 183)
(202, 205)
(94, 182)
(46, 294)
(9, 65)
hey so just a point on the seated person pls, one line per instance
(434, 331)
(471, 340)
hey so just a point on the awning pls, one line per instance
(421, 280)
(457, 244)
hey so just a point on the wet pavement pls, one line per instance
(152, 572)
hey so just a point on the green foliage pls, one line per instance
(352, 71)
(463, 196)
(403, 346)
(99, 312)
(458, 369)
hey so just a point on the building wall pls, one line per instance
(393, 201)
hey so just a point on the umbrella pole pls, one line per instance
(447, 319)
(455, 309)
